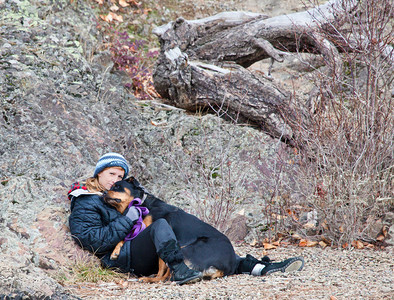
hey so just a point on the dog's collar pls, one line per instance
(144, 197)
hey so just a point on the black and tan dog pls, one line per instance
(204, 248)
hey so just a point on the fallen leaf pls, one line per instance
(333, 298)
(309, 226)
(254, 243)
(268, 246)
(380, 238)
(303, 243)
(312, 243)
(106, 18)
(358, 244)
(278, 217)
(114, 8)
(118, 18)
(307, 243)
(323, 244)
(242, 212)
(133, 2)
(154, 123)
(326, 240)
(111, 17)
(123, 3)
(385, 230)
(123, 283)
(324, 225)
(296, 236)
(277, 243)
(292, 214)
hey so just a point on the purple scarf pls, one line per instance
(139, 225)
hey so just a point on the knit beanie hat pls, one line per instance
(111, 160)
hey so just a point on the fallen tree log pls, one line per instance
(229, 90)
(203, 63)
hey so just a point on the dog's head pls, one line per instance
(122, 193)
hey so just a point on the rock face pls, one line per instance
(62, 107)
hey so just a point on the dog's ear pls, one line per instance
(136, 183)
(130, 179)
(133, 181)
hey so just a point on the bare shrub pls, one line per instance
(219, 171)
(216, 187)
(347, 143)
(280, 206)
(226, 170)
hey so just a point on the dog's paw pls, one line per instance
(114, 256)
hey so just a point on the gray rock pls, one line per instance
(390, 239)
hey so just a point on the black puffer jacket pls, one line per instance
(98, 227)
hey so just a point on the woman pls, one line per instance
(98, 227)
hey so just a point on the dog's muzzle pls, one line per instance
(108, 198)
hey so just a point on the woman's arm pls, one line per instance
(96, 226)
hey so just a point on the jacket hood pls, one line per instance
(78, 189)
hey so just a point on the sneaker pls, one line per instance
(249, 262)
(181, 274)
(288, 265)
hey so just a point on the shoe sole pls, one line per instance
(296, 264)
(194, 279)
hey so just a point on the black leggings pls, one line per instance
(144, 248)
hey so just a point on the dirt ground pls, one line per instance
(328, 274)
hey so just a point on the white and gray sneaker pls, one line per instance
(267, 267)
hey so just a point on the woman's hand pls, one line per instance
(132, 213)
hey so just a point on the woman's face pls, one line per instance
(109, 176)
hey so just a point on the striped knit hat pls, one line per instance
(111, 160)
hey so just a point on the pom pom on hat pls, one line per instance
(111, 160)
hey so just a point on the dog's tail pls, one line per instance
(212, 273)
(209, 273)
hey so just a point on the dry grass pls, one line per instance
(86, 268)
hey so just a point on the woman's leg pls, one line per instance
(160, 238)
(253, 266)
(144, 258)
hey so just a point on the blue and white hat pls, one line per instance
(111, 160)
